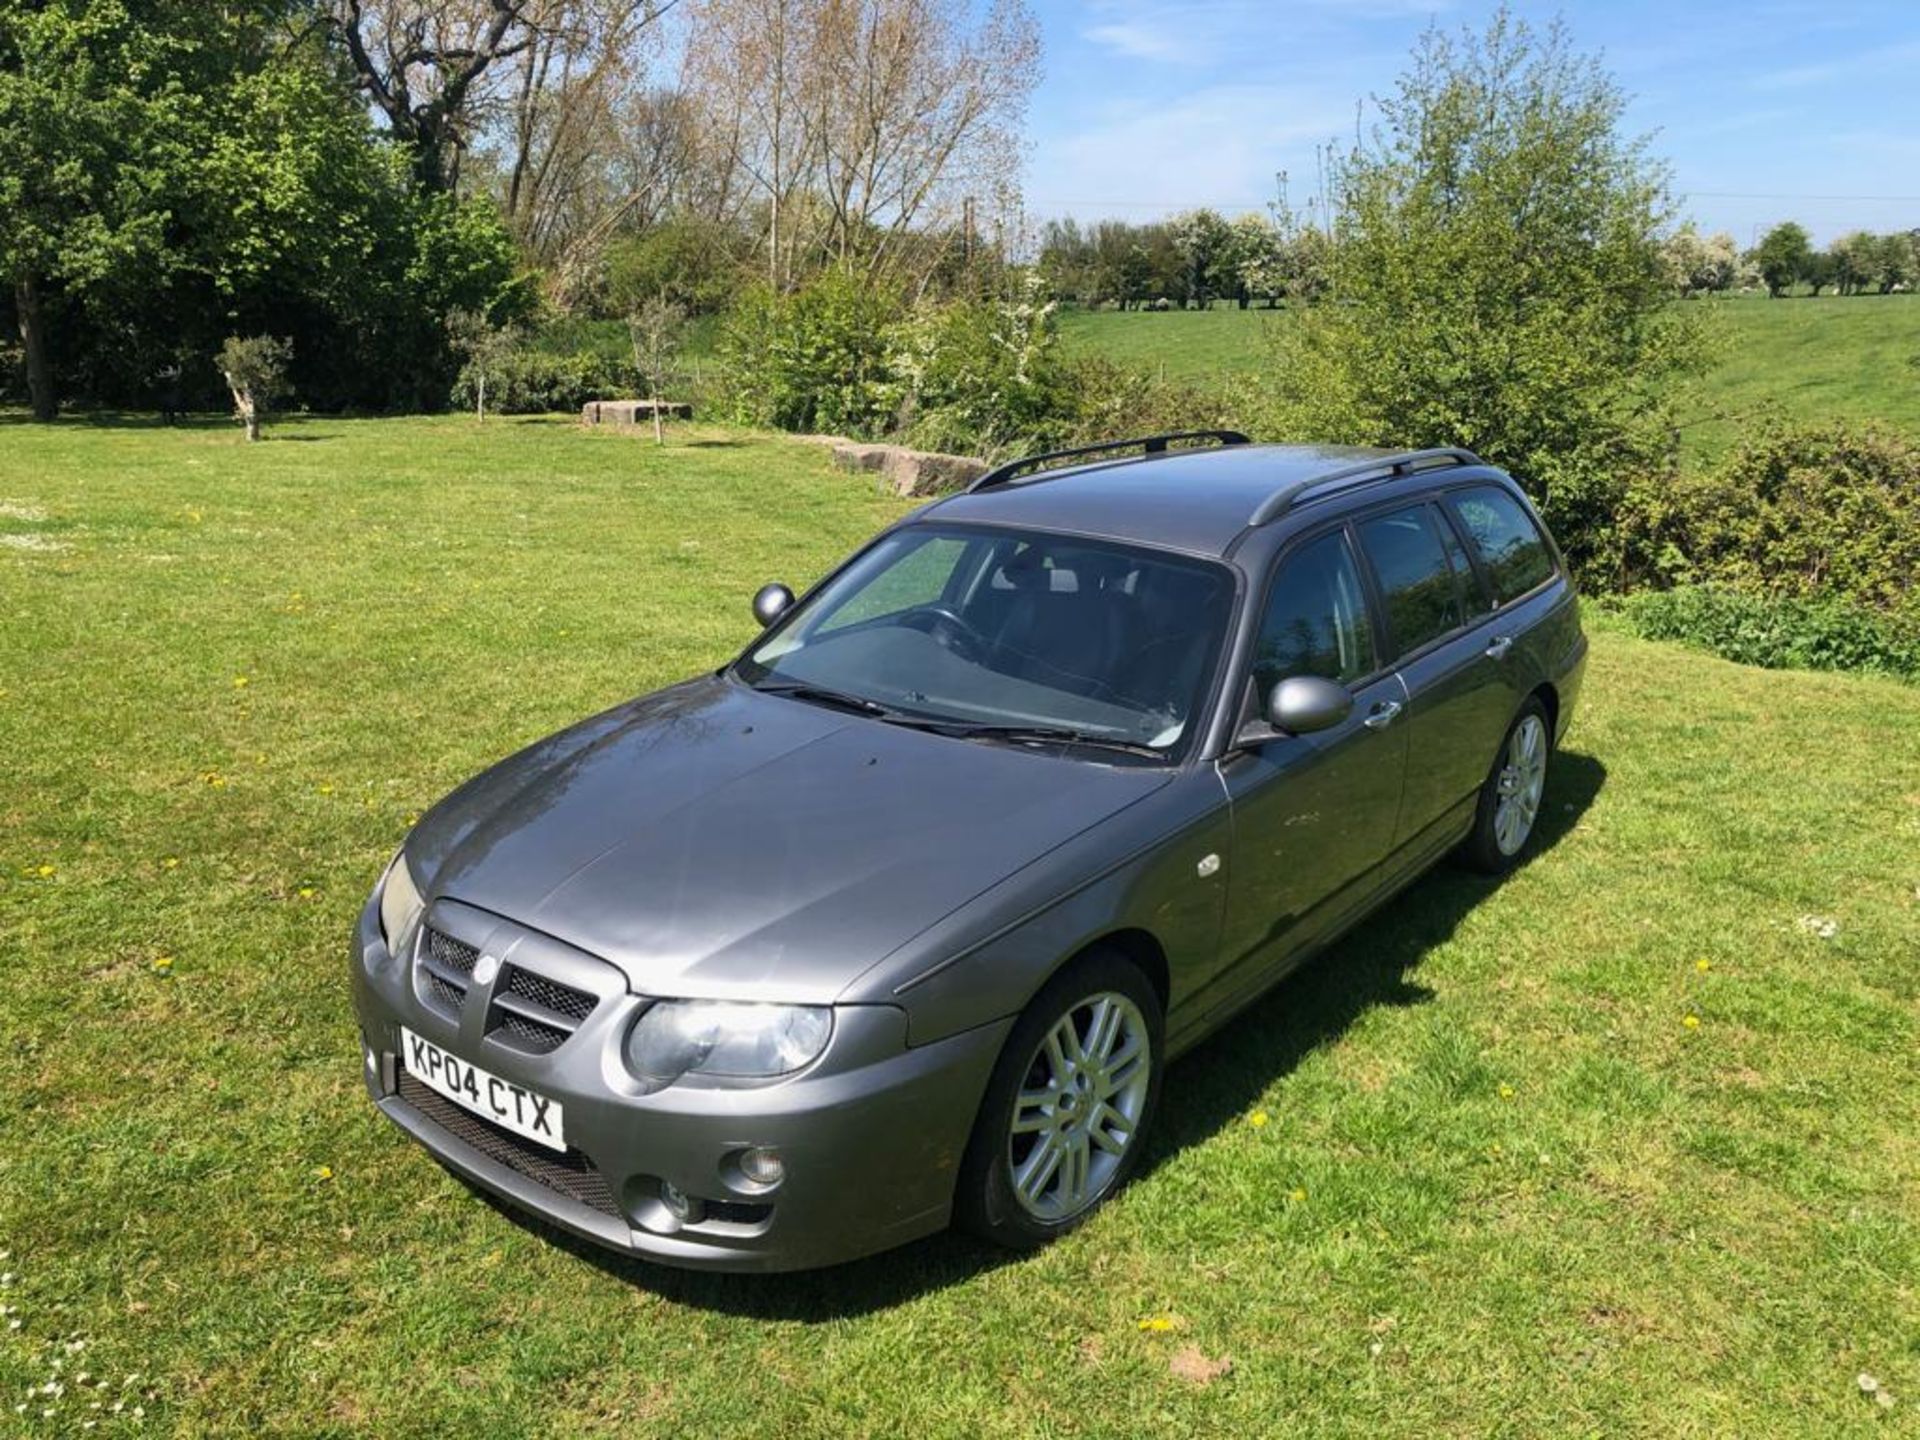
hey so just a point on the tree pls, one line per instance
(1496, 280)
(851, 122)
(1697, 264)
(487, 347)
(97, 124)
(655, 327)
(1259, 259)
(256, 372)
(419, 62)
(1891, 262)
(1205, 244)
(1817, 271)
(1782, 256)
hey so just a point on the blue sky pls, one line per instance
(1766, 110)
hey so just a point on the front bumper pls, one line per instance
(871, 1133)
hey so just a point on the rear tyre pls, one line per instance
(1509, 808)
(1070, 1100)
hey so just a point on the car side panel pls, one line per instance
(1142, 870)
(1458, 706)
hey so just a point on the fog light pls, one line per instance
(762, 1165)
(682, 1206)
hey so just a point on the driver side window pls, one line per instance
(1316, 618)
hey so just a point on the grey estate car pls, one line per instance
(898, 918)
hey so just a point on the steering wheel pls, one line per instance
(952, 631)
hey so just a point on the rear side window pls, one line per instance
(1417, 582)
(1511, 546)
(1316, 619)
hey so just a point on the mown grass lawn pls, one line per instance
(1854, 358)
(1629, 1143)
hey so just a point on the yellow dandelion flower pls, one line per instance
(1157, 1323)
(172, 862)
(306, 892)
(239, 682)
(1257, 1119)
(44, 871)
(323, 1172)
(1703, 966)
(1692, 1022)
(326, 789)
(1299, 1194)
(163, 964)
(1506, 1092)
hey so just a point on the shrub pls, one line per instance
(981, 377)
(533, 382)
(1778, 632)
(1826, 510)
(816, 359)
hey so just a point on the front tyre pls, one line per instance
(1510, 799)
(1067, 1106)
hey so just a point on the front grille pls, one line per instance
(446, 970)
(572, 1174)
(535, 1014)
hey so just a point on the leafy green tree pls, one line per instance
(255, 368)
(97, 117)
(1259, 259)
(1496, 281)
(1852, 259)
(1890, 261)
(1782, 256)
(1204, 242)
(486, 348)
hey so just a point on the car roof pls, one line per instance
(1199, 500)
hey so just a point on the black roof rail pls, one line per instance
(1384, 467)
(1147, 445)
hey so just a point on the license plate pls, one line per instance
(511, 1106)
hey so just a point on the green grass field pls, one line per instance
(1855, 358)
(1627, 1144)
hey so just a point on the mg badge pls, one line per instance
(485, 969)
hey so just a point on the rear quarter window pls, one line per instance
(1511, 547)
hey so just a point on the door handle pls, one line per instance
(1382, 715)
(1497, 647)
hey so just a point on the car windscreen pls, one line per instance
(1003, 628)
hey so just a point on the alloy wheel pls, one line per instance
(1079, 1106)
(1522, 778)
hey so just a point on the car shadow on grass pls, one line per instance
(1207, 1089)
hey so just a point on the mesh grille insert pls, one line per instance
(453, 954)
(576, 1005)
(571, 1174)
(529, 1033)
(447, 997)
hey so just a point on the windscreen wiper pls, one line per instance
(1055, 735)
(821, 695)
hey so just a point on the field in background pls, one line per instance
(1629, 1143)
(1855, 358)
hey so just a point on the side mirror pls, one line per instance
(1302, 704)
(770, 602)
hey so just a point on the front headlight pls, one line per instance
(726, 1038)
(399, 900)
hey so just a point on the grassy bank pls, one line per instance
(1629, 1143)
